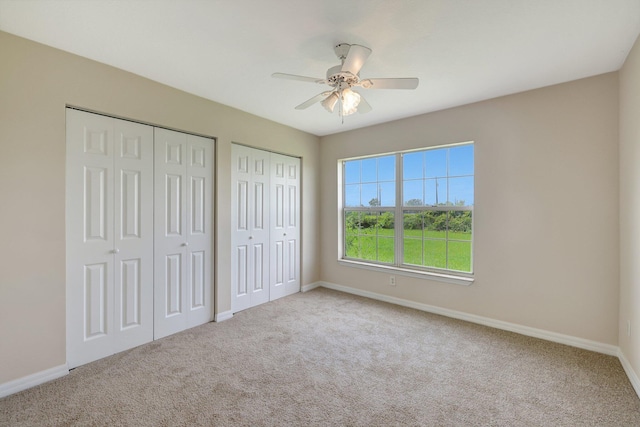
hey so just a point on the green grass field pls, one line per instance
(421, 247)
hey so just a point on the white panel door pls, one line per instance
(241, 271)
(250, 227)
(108, 232)
(170, 246)
(133, 234)
(183, 231)
(285, 226)
(200, 160)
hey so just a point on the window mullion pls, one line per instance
(399, 217)
(343, 209)
(448, 215)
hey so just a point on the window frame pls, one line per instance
(399, 266)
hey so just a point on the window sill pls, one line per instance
(428, 275)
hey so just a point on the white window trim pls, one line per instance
(447, 276)
(409, 272)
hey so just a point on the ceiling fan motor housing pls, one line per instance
(341, 79)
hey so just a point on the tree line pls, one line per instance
(457, 221)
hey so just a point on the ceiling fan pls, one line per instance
(346, 76)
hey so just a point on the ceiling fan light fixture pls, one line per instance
(341, 78)
(330, 101)
(350, 101)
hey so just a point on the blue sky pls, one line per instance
(425, 177)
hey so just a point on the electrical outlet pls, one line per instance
(392, 280)
(628, 328)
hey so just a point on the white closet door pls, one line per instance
(250, 227)
(133, 234)
(285, 226)
(90, 241)
(109, 247)
(200, 162)
(183, 231)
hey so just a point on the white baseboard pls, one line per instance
(225, 315)
(631, 374)
(33, 380)
(585, 344)
(310, 286)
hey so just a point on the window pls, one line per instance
(411, 209)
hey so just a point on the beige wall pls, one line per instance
(546, 229)
(36, 82)
(630, 207)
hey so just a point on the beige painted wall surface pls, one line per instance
(36, 82)
(630, 207)
(546, 230)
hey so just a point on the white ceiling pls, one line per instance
(226, 50)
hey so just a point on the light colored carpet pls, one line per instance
(326, 358)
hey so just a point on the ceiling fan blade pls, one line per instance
(402, 83)
(296, 77)
(363, 106)
(319, 97)
(355, 59)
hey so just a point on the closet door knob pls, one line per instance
(115, 251)
(185, 244)
(284, 234)
(250, 237)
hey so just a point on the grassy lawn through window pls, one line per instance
(422, 247)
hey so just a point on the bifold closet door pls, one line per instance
(250, 227)
(183, 231)
(265, 221)
(109, 233)
(285, 226)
